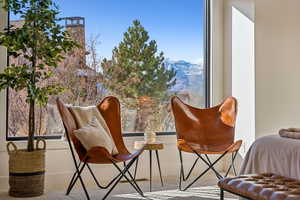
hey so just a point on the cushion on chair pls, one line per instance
(85, 117)
(94, 135)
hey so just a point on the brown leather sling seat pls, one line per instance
(110, 110)
(206, 131)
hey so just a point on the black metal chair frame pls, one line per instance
(112, 184)
(150, 167)
(207, 161)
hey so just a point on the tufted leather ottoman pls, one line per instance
(261, 187)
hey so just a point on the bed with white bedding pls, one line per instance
(273, 154)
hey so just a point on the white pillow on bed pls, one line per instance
(94, 135)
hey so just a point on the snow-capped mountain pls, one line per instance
(189, 76)
(185, 67)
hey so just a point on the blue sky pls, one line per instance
(176, 25)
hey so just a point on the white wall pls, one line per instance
(246, 7)
(277, 47)
(277, 30)
(243, 80)
(238, 72)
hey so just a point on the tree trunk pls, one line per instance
(140, 121)
(144, 113)
(31, 120)
(31, 123)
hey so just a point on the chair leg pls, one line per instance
(123, 172)
(181, 171)
(97, 182)
(136, 166)
(112, 187)
(185, 178)
(114, 182)
(191, 170)
(196, 179)
(135, 183)
(131, 176)
(150, 157)
(233, 157)
(221, 194)
(75, 177)
(232, 161)
(78, 172)
(84, 188)
(182, 178)
(158, 163)
(72, 180)
(132, 182)
(218, 175)
(210, 167)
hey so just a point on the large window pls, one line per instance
(141, 51)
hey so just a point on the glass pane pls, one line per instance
(142, 52)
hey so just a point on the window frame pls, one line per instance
(207, 70)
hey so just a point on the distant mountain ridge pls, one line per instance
(189, 76)
(185, 67)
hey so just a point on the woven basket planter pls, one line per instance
(26, 171)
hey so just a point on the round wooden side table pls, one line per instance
(155, 146)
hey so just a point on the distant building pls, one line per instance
(72, 73)
(76, 29)
(75, 60)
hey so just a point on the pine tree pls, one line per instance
(137, 73)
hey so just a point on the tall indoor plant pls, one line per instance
(41, 42)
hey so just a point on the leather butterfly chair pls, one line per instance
(110, 110)
(204, 132)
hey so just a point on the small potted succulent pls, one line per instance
(41, 42)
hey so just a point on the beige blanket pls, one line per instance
(273, 154)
